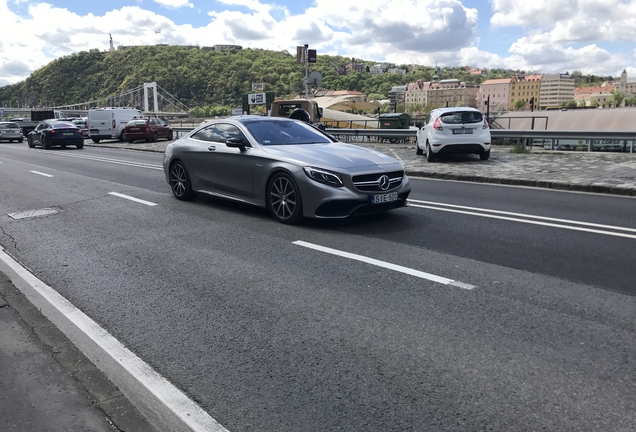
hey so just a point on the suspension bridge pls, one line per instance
(150, 98)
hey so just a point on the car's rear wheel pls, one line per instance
(418, 150)
(154, 137)
(20, 140)
(283, 199)
(122, 137)
(430, 156)
(95, 140)
(180, 182)
(80, 145)
(170, 136)
(484, 155)
(45, 142)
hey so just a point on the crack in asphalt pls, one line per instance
(13, 241)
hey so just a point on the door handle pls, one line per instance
(212, 148)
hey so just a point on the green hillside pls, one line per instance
(200, 78)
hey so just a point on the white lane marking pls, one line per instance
(167, 407)
(41, 173)
(128, 197)
(32, 213)
(531, 222)
(384, 264)
(95, 158)
(528, 216)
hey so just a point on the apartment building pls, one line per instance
(396, 96)
(497, 91)
(526, 88)
(556, 89)
(585, 96)
(416, 93)
(453, 92)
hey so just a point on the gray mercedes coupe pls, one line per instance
(285, 165)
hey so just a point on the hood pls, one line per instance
(331, 155)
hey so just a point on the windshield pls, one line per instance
(9, 126)
(460, 117)
(61, 125)
(140, 122)
(284, 132)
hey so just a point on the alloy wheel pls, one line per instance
(284, 199)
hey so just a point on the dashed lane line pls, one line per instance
(128, 197)
(387, 265)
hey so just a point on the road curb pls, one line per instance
(164, 406)
(599, 188)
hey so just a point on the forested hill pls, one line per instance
(194, 76)
(201, 78)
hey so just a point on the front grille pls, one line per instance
(371, 182)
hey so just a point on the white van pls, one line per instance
(109, 123)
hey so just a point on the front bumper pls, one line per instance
(327, 202)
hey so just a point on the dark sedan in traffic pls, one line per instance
(51, 133)
(286, 166)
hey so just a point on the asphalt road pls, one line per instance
(266, 332)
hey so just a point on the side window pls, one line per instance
(219, 133)
(207, 134)
(154, 122)
(226, 131)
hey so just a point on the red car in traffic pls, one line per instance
(148, 129)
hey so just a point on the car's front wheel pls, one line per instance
(30, 142)
(484, 155)
(283, 199)
(430, 156)
(180, 182)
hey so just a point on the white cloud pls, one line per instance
(557, 36)
(569, 21)
(174, 4)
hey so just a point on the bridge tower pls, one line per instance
(153, 86)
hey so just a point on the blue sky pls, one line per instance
(592, 36)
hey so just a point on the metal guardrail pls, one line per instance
(607, 138)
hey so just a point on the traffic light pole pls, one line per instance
(306, 82)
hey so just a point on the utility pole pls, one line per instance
(488, 109)
(306, 82)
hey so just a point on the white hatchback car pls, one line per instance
(454, 130)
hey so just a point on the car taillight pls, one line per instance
(437, 125)
(147, 129)
(52, 131)
(486, 124)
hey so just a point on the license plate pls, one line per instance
(462, 131)
(68, 134)
(384, 198)
(134, 129)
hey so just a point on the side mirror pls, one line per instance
(239, 143)
(319, 113)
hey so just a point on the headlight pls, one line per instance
(324, 177)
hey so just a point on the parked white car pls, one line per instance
(452, 131)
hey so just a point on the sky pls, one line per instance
(548, 36)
